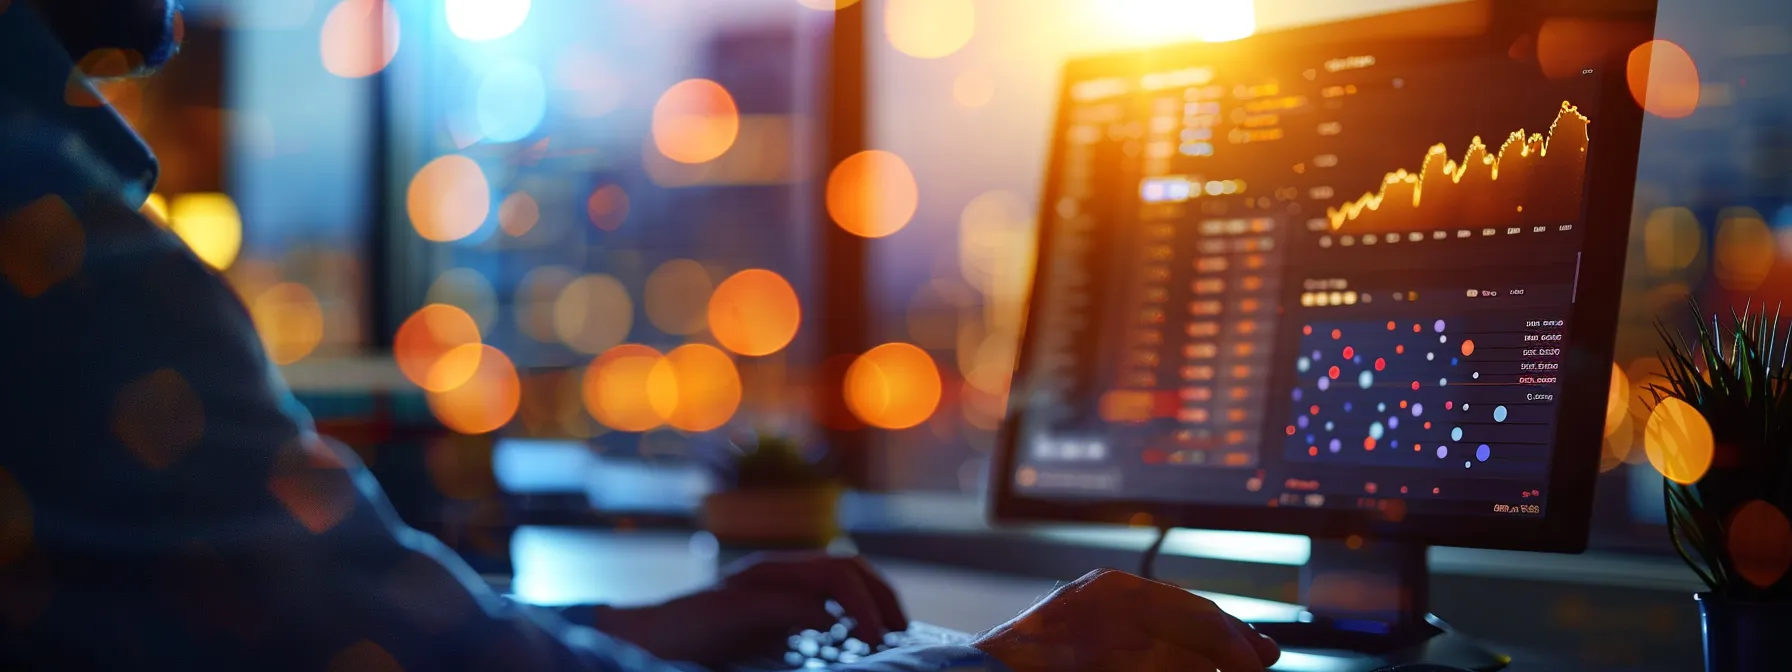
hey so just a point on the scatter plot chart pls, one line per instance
(1473, 393)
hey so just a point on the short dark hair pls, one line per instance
(143, 29)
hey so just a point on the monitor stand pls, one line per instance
(1367, 609)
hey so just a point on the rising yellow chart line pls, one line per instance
(1537, 143)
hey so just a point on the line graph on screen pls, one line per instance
(1532, 178)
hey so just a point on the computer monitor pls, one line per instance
(1352, 290)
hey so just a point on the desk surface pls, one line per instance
(561, 566)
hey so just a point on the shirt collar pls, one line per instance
(39, 76)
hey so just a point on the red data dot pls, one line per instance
(1402, 489)
(1314, 410)
(1403, 403)
(1368, 443)
(1415, 386)
(1415, 328)
(1380, 363)
(1390, 325)
(1307, 330)
(1449, 405)
(1436, 490)
(1333, 373)
(1337, 334)
(1427, 425)
(1349, 352)
(1415, 448)
(1399, 349)
(1291, 430)
(1312, 450)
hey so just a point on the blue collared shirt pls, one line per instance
(164, 503)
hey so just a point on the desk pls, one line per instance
(563, 566)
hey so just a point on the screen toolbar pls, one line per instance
(1340, 280)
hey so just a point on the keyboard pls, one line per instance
(817, 649)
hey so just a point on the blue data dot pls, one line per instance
(1381, 407)
(1439, 326)
(1376, 431)
(1456, 434)
(1418, 409)
(1325, 383)
(1393, 422)
(1310, 439)
(1335, 446)
(1317, 356)
(1347, 407)
(1483, 453)
(1365, 380)
(1302, 422)
(1297, 394)
(1394, 443)
(1328, 426)
(1499, 414)
(1303, 364)
(1443, 452)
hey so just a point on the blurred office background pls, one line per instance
(570, 236)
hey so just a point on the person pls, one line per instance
(166, 504)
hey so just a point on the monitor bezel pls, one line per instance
(1587, 359)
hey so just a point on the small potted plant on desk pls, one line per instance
(1721, 434)
(772, 495)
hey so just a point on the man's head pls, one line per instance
(144, 29)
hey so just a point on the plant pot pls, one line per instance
(1743, 636)
(800, 518)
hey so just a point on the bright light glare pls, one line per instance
(482, 20)
(512, 101)
(1155, 21)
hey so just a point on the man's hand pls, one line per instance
(1111, 620)
(758, 604)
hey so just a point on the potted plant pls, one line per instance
(1721, 433)
(772, 494)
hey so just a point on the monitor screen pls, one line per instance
(1337, 279)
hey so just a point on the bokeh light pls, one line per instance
(973, 89)
(518, 214)
(1664, 79)
(511, 101)
(1672, 240)
(995, 237)
(593, 314)
(827, 5)
(360, 37)
(929, 28)
(429, 334)
(534, 302)
(41, 245)
(485, 401)
(677, 297)
(1760, 543)
(1678, 441)
(695, 121)
(483, 20)
(210, 224)
(621, 390)
(363, 656)
(754, 313)
(15, 519)
(155, 207)
(1617, 400)
(290, 321)
(872, 194)
(607, 207)
(158, 417)
(707, 384)
(893, 386)
(468, 290)
(449, 199)
(1743, 254)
